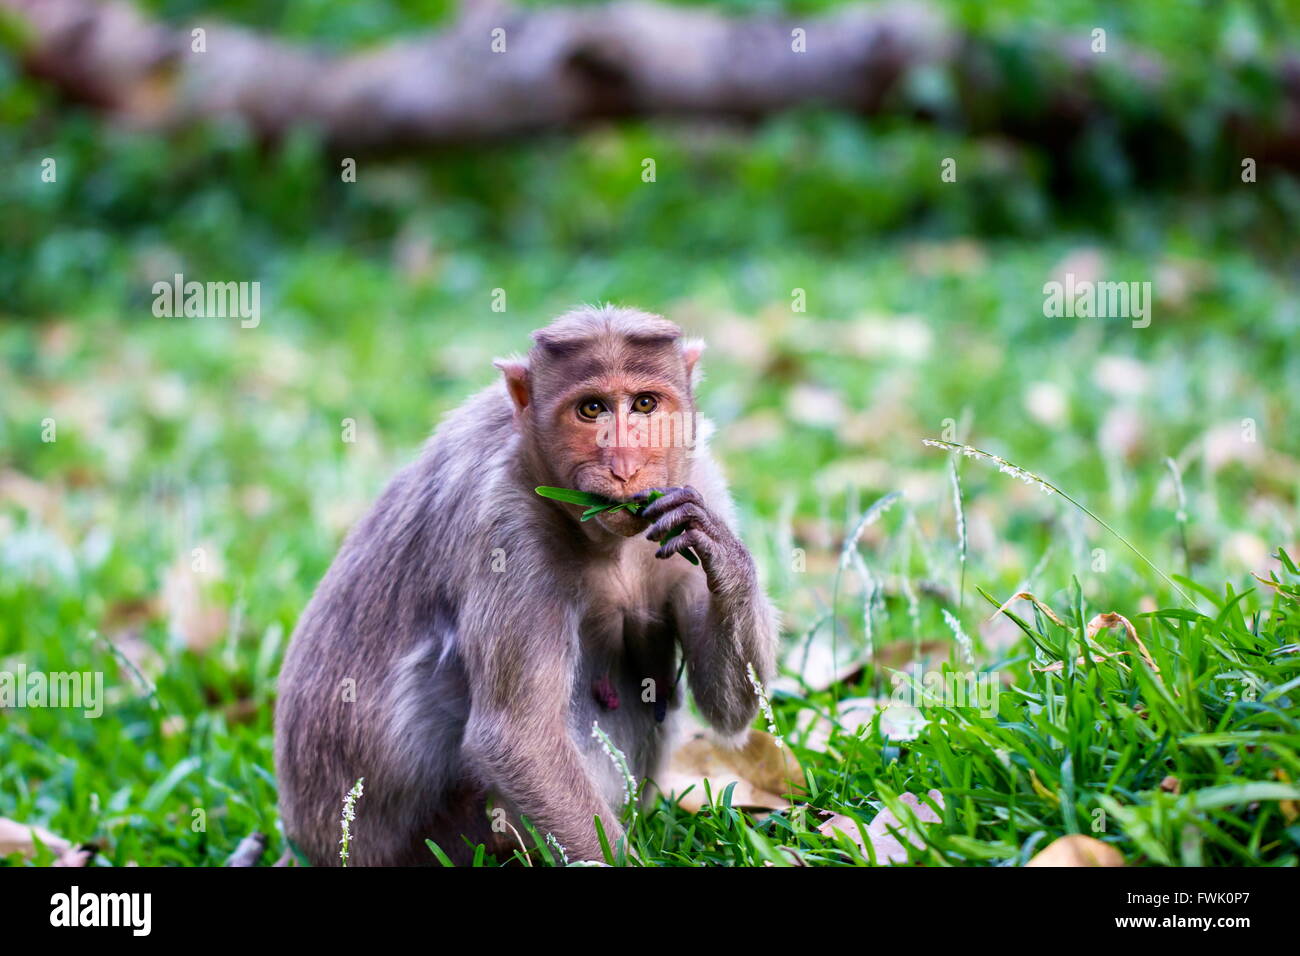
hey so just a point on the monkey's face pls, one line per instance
(622, 434)
(604, 404)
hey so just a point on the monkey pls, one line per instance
(469, 632)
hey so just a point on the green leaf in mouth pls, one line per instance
(599, 504)
(574, 497)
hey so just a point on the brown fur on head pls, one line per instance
(605, 404)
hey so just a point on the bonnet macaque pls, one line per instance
(470, 632)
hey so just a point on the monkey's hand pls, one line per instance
(728, 631)
(682, 513)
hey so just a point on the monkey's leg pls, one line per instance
(533, 762)
(518, 738)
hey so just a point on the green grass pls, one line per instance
(176, 434)
(924, 319)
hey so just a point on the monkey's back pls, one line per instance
(372, 683)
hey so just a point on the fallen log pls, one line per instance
(498, 72)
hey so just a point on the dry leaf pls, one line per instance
(198, 621)
(753, 431)
(761, 771)
(1120, 375)
(897, 721)
(952, 257)
(131, 613)
(1041, 790)
(815, 406)
(1223, 446)
(1290, 808)
(31, 495)
(1123, 432)
(1047, 403)
(812, 661)
(1028, 596)
(1113, 619)
(174, 724)
(242, 711)
(1077, 850)
(16, 837)
(124, 625)
(904, 338)
(896, 655)
(1110, 619)
(888, 848)
(1275, 585)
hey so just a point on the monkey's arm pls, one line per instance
(518, 735)
(726, 621)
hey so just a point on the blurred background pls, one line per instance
(923, 316)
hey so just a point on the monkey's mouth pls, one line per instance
(615, 492)
(623, 523)
(620, 513)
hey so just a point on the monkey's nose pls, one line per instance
(624, 467)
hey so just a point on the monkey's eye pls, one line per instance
(591, 409)
(645, 404)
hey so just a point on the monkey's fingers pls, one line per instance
(670, 498)
(683, 543)
(687, 554)
(679, 519)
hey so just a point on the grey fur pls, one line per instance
(473, 685)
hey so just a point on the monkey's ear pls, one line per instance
(691, 351)
(516, 375)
